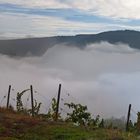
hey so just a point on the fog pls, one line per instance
(103, 76)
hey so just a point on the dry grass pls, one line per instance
(15, 126)
(12, 123)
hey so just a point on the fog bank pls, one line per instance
(103, 76)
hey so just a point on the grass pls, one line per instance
(69, 132)
(14, 126)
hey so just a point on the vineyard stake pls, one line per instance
(128, 118)
(58, 101)
(32, 100)
(8, 97)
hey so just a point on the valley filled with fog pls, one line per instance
(103, 76)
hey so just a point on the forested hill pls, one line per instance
(38, 46)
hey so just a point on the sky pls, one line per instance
(29, 18)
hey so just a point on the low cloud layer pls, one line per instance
(103, 76)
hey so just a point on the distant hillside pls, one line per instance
(38, 46)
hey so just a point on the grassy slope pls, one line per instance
(15, 126)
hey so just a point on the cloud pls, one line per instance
(36, 3)
(22, 25)
(106, 80)
(124, 9)
(27, 20)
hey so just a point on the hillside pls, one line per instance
(15, 126)
(38, 46)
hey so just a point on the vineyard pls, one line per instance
(21, 122)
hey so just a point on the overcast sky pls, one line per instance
(21, 18)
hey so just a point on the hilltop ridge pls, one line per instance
(38, 46)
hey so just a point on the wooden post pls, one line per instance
(8, 97)
(128, 118)
(58, 101)
(32, 100)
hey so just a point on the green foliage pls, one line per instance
(131, 126)
(18, 126)
(36, 108)
(138, 122)
(102, 125)
(96, 123)
(51, 115)
(79, 114)
(19, 105)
